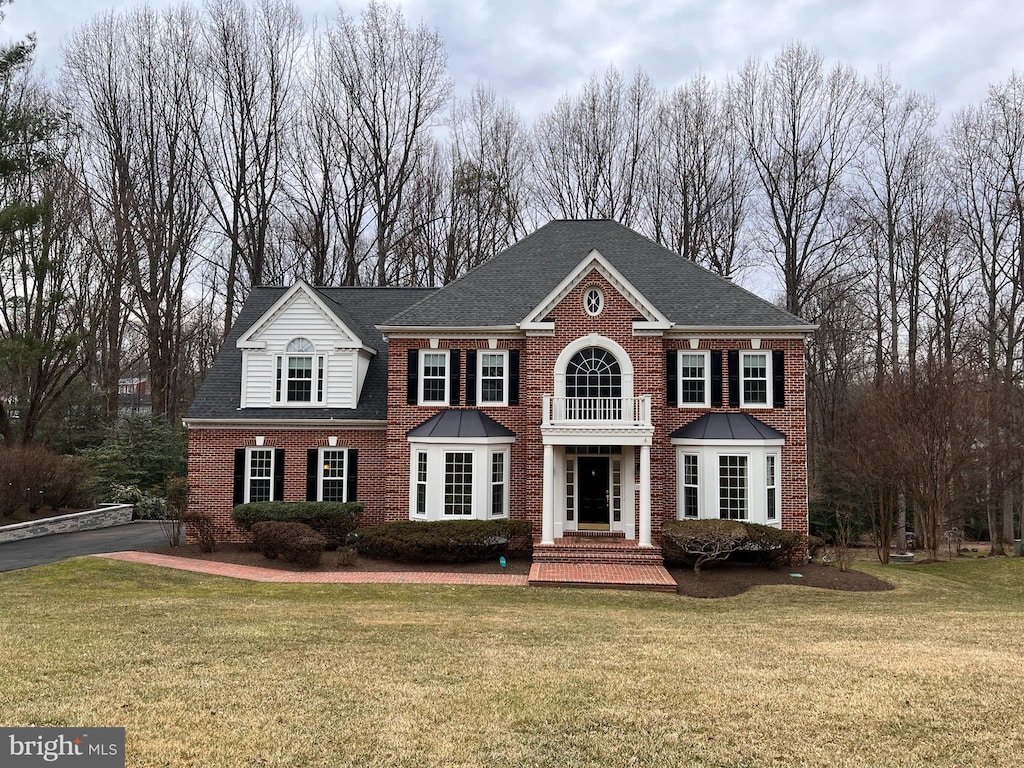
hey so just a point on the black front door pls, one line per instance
(593, 493)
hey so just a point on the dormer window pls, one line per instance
(300, 374)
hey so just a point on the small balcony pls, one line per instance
(598, 413)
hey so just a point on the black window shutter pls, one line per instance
(778, 378)
(352, 476)
(312, 462)
(278, 475)
(513, 377)
(454, 377)
(734, 378)
(470, 377)
(671, 377)
(239, 490)
(412, 377)
(716, 378)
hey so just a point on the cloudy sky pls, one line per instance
(532, 51)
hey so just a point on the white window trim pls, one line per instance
(320, 472)
(318, 394)
(747, 494)
(709, 501)
(415, 483)
(503, 483)
(767, 353)
(436, 453)
(248, 470)
(474, 479)
(772, 483)
(480, 378)
(596, 290)
(683, 485)
(706, 354)
(421, 380)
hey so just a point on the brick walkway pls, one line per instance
(252, 573)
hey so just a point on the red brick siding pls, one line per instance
(211, 468)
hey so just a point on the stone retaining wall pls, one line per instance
(105, 516)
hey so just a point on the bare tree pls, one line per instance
(250, 55)
(799, 122)
(698, 180)
(591, 149)
(395, 79)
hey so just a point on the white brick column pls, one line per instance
(645, 496)
(548, 508)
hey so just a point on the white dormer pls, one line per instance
(301, 354)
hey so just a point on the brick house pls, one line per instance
(585, 379)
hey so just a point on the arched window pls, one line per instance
(593, 385)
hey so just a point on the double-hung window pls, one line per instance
(333, 474)
(492, 377)
(434, 377)
(695, 379)
(690, 496)
(259, 474)
(499, 484)
(755, 379)
(300, 374)
(771, 488)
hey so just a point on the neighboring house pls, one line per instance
(134, 397)
(585, 379)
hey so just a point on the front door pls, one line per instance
(593, 494)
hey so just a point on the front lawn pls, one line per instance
(208, 672)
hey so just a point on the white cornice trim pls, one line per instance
(734, 331)
(341, 424)
(246, 341)
(596, 261)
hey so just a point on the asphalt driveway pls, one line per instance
(60, 546)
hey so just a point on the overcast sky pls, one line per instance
(532, 51)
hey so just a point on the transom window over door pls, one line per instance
(593, 385)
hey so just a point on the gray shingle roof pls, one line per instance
(461, 423)
(503, 290)
(727, 426)
(361, 309)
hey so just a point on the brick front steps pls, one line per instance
(607, 561)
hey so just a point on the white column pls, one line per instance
(645, 496)
(547, 535)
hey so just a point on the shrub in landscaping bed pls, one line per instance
(698, 542)
(332, 520)
(295, 542)
(445, 541)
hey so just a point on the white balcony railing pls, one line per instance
(598, 411)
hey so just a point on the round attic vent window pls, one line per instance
(593, 301)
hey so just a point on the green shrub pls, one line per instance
(698, 542)
(770, 546)
(333, 520)
(445, 541)
(141, 451)
(295, 542)
(150, 508)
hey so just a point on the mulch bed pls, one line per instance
(715, 581)
(728, 580)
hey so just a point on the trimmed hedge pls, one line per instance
(295, 542)
(446, 541)
(332, 520)
(697, 542)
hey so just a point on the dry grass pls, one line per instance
(211, 672)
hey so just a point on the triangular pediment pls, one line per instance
(303, 299)
(595, 262)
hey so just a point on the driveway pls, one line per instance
(60, 546)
